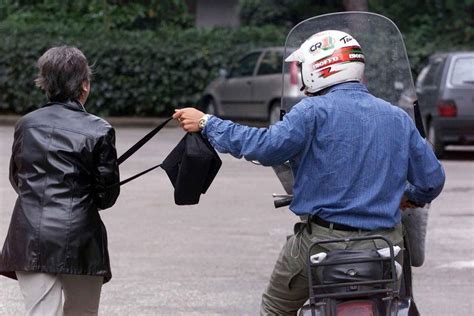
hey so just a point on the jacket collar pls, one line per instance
(70, 104)
(353, 85)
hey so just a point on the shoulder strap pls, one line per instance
(141, 142)
(133, 177)
(134, 149)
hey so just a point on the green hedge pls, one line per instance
(135, 72)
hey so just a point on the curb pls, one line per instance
(10, 120)
(139, 121)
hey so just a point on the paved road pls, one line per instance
(215, 258)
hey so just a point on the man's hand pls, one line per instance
(405, 203)
(188, 119)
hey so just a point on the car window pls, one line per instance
(421, 76)
(245, 66)
(270, 64)
(432, 77)
(463, 71)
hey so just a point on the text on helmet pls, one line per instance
(345, 54)
(325, 44)
(346, 39)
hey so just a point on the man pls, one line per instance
(354, 158)
(63, 161)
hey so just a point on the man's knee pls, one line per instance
(285, 294)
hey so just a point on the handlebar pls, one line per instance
(283, 202)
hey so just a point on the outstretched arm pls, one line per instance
(269, 146)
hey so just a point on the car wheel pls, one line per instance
(274, 113)
(433, 138)
(210, 107)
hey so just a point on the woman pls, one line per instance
(62, 166)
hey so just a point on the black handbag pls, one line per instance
(191, 166)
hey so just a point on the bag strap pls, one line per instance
(133, 177)
(142, 142)
(134, 149)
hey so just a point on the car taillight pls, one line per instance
(356, 308)
(447, 108)
(294, 73)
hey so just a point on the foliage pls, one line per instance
(148, 61)
(136, 72)
(284, 12)
(134, 15)
(430, 26)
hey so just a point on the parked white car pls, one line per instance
(252, 89)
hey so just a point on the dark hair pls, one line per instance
(62, 71)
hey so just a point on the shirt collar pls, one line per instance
(353, 85)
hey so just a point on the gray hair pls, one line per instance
(62, 71)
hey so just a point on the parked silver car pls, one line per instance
(252, 89)
(445, 89)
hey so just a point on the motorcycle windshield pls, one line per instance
(387, 72)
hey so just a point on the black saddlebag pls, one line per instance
(341, 266)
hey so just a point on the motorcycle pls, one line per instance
(354, 282)
(358, 282)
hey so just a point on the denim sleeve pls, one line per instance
(270, 146)
(425, 173)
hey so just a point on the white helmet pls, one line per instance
(328, 58)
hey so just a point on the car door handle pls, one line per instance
(249, 82)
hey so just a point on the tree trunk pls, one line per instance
(355, 5)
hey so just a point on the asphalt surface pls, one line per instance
(215, 258)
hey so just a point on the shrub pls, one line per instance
(137, 72)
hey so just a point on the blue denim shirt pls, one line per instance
(353, 156)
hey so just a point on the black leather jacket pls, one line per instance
(62, 160)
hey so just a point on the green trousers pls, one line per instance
(288, 290)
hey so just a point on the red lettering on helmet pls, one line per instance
(325, 62)
(326, 72)
(342, 55)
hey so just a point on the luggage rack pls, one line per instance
(318, 292)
